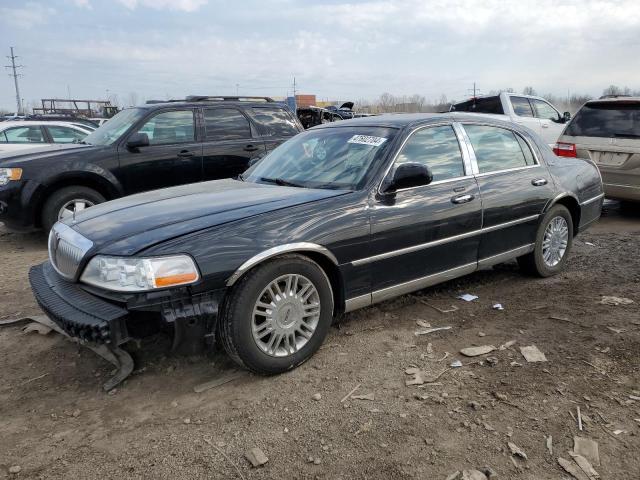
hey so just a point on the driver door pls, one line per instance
(424, 231)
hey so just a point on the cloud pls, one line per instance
(82, 4)
(29, 16)
(180, 5)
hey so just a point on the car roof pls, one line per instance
(615, 99)
(37, 123)
(401, 120)
(196, 101)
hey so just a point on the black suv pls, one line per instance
(157, 145)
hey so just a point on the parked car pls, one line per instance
(342, 216)
(144, 148)
(607, 131)
(532, 112)
(27, 136)
(345, 111)
(312, 116)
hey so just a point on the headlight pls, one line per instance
(126, 274)
(8, 174)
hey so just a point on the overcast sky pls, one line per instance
(335, 49)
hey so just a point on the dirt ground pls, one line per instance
(55, 421)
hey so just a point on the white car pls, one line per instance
(532, 112)
(26, 136)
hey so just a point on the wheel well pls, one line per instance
(574, 209)
(103, 187)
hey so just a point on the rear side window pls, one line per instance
(496, 148)
(521, 106)
(226, 124)
(276, 122)
(22, 135)
(65, 134)
(481, 105)
(606, 119)
(438, 149)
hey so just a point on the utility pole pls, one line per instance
(15, 76)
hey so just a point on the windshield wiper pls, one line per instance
(281, 181)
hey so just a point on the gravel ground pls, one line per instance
(57, 423)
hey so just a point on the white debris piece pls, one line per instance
(467, 297)
(497, 306)
(476, 351)
(431, 330)
(532, 354)
(615, 301)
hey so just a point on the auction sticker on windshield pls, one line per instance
(367, 140)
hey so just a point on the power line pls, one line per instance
(15, 76)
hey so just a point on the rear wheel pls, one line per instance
(553, 244)
(66, 202)
(278, 314)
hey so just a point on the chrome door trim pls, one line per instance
(504, 256)
(279, 250)
(423, 282)
(442, 241)
(591, 200)
(471, 154)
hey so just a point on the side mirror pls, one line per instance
(566, 116)
(407, 175)
(138, 140)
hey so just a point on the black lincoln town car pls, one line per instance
(339, 217)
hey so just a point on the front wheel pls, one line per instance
(553, 244)
(277, 315)
(67, 202)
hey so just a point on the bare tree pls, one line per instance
(612, 90)
(528, 91)
(386, 102)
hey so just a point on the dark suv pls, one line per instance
(157, 145)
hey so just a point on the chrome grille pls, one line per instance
(67, 248)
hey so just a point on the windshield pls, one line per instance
(606, 119)
(334, 158)
(111, 131)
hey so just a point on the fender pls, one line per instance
(92, 173)
(557, 198)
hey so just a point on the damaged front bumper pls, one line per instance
(105, 324)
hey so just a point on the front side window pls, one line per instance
(226, 124)
(65, 134)
(111, 131)
(31, 134)
(276, 121)
(170, 127)
(343, 158)
(545, 111)
(521, 106)
(496, 148)
(438, 149)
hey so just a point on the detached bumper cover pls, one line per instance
(79, 313)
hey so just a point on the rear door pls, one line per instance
(427, 230)
(276, 124)
(523, 113)
(551, 122)
(173, 157)
(231, 142)
(515, 187)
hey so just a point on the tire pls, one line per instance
(238, 320)
(534, 263)
(58, 199)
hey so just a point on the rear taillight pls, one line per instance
(562, 149)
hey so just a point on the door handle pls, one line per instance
(545, 125)
(250, 148)
(538, 182)
(185, 154)
(458, 199)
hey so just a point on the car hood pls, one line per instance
(9, 158)
(130, 224)
(347, 106)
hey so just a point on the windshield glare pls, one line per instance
(111, 131)
(337, 158)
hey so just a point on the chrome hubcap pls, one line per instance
(554, 243)
(285, 315)
(74, 206)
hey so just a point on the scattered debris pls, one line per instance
(217, 382)
(585, 466)
(467, 297)
(494, 361)
(615, 301)
(579, 419)
(617, 330)
(532, 354)
(317, 397)
(456, 364)
(489, 472)
(368, 396)
(572, 469)
(497, 306)
(564, 319)
(37, 327)
(186, 421)
(417, 376)
(482, 334)
(15, 469)
(34, 379)
(550, 445)
(500, 396)
(475, 405)
(441, 310)
(517, 451)
(587, 448)
(455, 476)
(476, 351)
(256, 457)
(506, 345)
(366, 426)
(618, 432)
(210, 443)
(346, 397)
(431, 330)
(590, 244)
(473, 475)
(423, 323)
